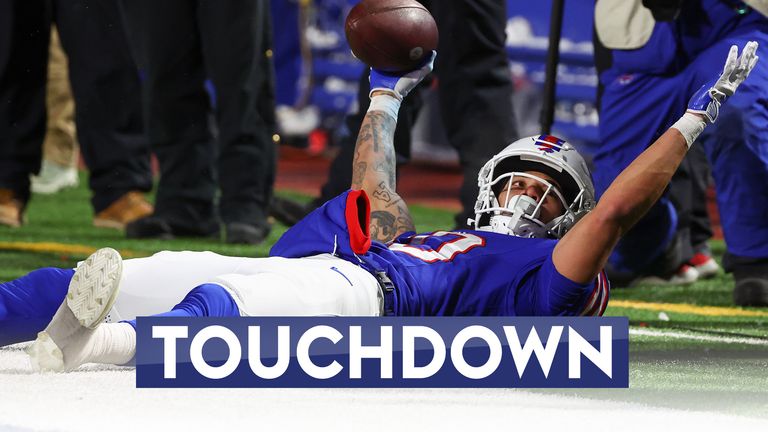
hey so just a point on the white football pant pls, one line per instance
(312, 286)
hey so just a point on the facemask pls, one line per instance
(521, 219)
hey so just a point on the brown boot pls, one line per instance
(11, 209)
(124, 210)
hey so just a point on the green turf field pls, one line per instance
(689, 346)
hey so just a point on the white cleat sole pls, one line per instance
(94, 287)
(91, 294)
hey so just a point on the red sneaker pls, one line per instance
(705, 265)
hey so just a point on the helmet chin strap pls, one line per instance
(520, 220)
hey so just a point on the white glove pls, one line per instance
(710, 96)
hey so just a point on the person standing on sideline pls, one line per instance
(659, 52)
(179, 45)
(105, 86)
(60, 148)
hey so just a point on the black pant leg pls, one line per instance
(701, 227)
(680, 193)
(688, 192)
(475, 86)
(236, 39)
(176, 108)
(107, 93)
(24, 36)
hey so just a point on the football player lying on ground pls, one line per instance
(537, 247)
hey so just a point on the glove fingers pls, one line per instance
(752, 64)
(732, 61)
(752, 58)
(748, 59)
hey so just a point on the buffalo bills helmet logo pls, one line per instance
(549, 143)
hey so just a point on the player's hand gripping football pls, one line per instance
(399, 84)
(707, 100)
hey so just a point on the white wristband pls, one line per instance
(690, 125)
(386, 103)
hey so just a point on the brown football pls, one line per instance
(391, 35)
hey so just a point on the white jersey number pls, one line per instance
(439, 245)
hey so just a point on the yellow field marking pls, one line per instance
(62, 248)
(687, 308)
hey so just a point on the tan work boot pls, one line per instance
(124, 210)
(11, 209)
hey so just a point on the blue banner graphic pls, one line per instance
(383, 352)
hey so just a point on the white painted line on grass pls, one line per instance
(707, 338)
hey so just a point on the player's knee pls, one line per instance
(212, 300)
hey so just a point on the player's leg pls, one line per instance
(149, 287)
(77, 333)
(28, 303)
(74, 336)
(155, 284)
(322, 285)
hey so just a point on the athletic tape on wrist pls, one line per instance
(386, 103)
(690, 125)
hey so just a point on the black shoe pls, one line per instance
(154, 227)
(751, 287)
(243, 233)
(288, 211)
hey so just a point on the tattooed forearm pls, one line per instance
(382, 193)
(374, 171)
(358, 172)
(375, 149)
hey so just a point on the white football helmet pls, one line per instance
(519, 216)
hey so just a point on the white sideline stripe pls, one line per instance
(708, 338)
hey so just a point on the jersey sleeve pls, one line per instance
(598, 298)
(549, 293)
(339, 227)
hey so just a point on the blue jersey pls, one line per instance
(674, 45)
(447, 273)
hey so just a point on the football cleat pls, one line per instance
(65, 342)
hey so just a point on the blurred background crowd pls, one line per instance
(211, 89)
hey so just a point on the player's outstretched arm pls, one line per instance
(373, 168)
(584, 250)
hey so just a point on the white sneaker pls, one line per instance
(53, 178)
(66, 342)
